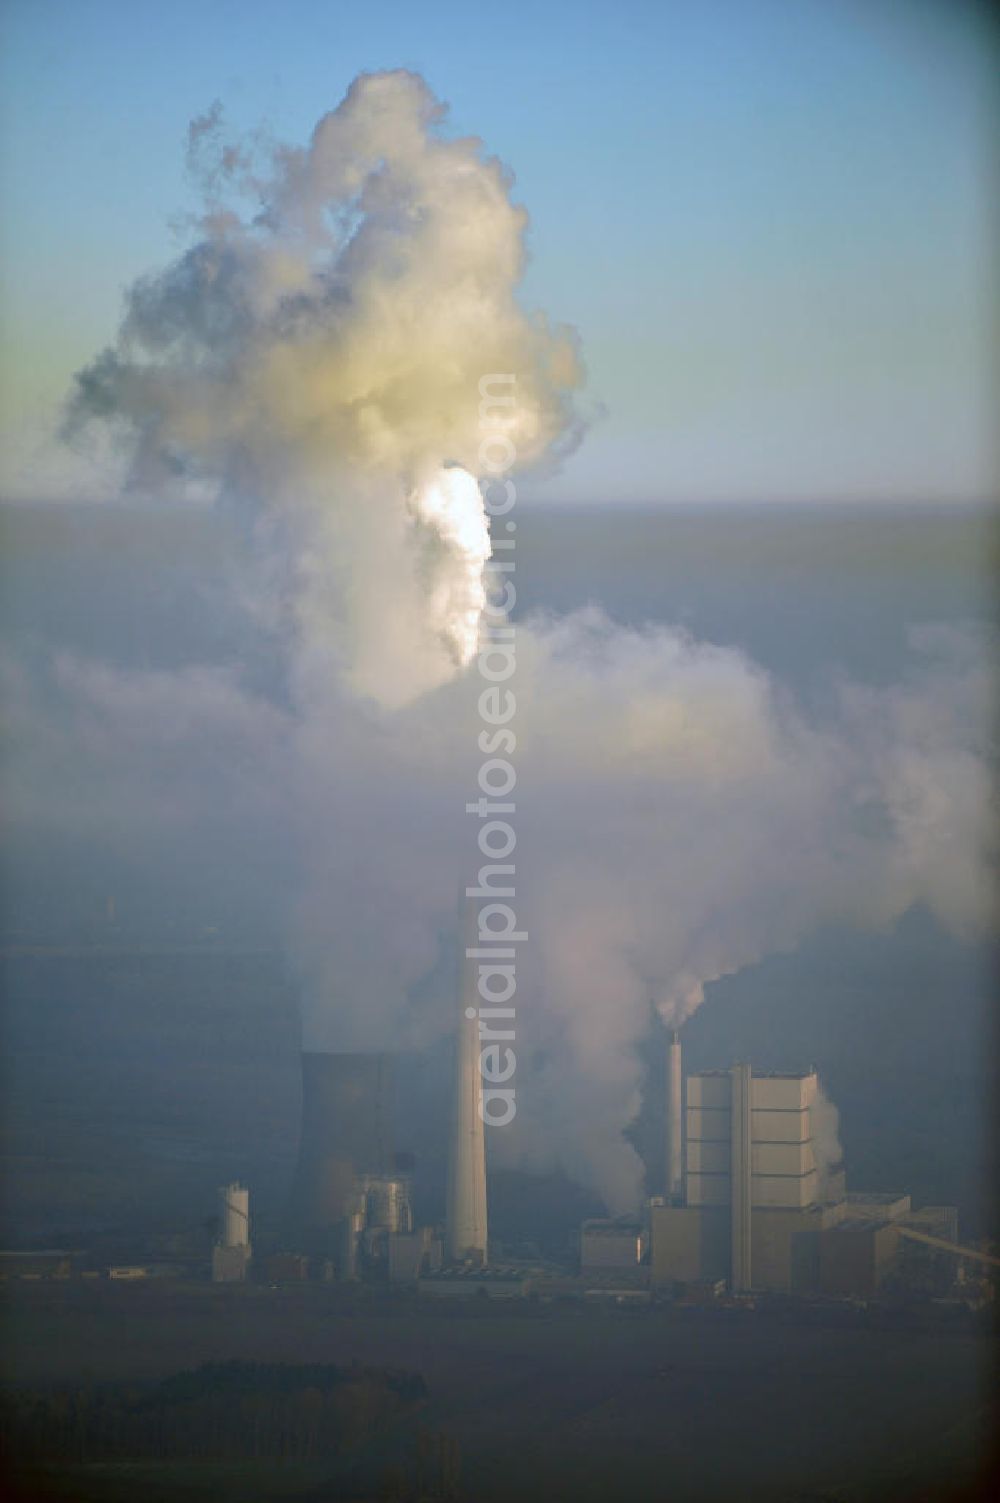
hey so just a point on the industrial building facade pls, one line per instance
(757, 1207)
(752, 1206)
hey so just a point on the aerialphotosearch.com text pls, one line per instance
(495, 808)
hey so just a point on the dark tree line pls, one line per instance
(230, 1410)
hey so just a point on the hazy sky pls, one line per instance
(769, 220)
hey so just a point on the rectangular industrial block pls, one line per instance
(781, 1127)
(708, 1125)
(784, 1190)
(782, 1093)
(782, 1158)
(708, 1189)
(713, 1090)
(707, 1157)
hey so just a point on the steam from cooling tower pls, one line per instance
(451, 505)
(313, 363)
(314, 360)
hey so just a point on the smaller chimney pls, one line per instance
(741, 1177)
(674, 1177)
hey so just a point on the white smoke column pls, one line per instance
(451, 505)
(315, 358)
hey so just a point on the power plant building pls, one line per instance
(753, 1206)
(759, 1210)
(751, 1132)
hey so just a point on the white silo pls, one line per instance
(234, 1216)
(231, 1253)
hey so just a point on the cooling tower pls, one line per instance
(741, 1139)
(466, 1205)
(346, 1134)
(674, 1116)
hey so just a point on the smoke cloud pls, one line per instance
(313, 364)
(827, 1150)
(314, 361)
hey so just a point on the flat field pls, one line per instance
(547, 1401)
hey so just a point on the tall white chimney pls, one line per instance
(466, 1205)
(740, 1176)
(674, 1185)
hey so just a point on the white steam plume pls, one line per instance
(317, 362)
(827, 1149)
(315, 359)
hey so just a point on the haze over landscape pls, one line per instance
(253, 547)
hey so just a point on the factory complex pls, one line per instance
(759, 1208)
(753, 1202)
(754, 1199)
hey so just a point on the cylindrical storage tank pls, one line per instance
(387, 1204)
(346, 1134)
(234, 1216)
(351, 1229)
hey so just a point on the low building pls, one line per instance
(856, 1257)
(934, 1221)
(412, 1254)
(692, 1244)
(286, 1268)
(869, 1250)
(46, 1263)
(466, 1282)
(611, 1244)
(230, 1265)
(926, 1269)
(786, 1246)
